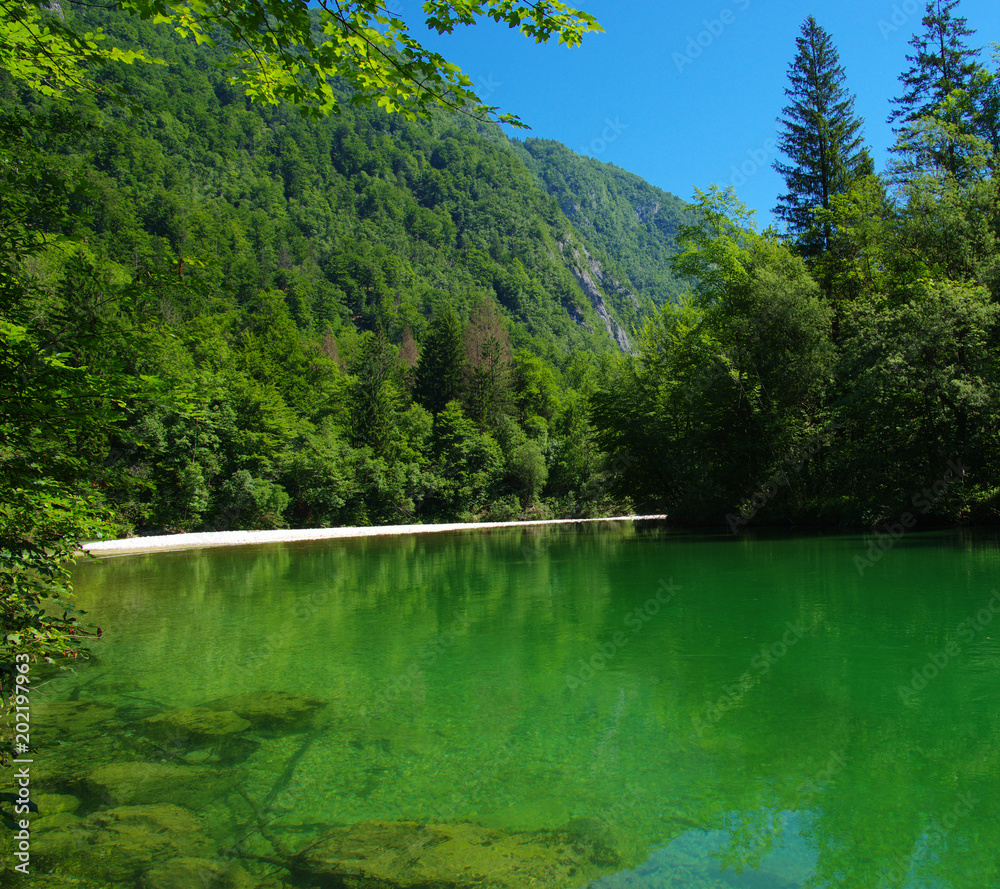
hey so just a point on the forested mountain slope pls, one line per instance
(630, 222)
(357, 319)
(365, 217)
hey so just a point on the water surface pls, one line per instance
(727, 712)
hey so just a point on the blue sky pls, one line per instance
(687, 95)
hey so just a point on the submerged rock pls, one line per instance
(409, 855)
(197, 734)
(63, 819)
(55, 810)
(200, 756)
(271, 709)
(121, 844)
(214, 873)
(137, 783)
(61, 768)
(69, 719)
(55, 803)
(197, 723)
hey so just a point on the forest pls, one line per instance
(221, 314)
(842, 372)
(355, 320)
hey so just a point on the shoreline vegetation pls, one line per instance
(135, 545)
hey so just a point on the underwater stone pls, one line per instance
(137, 783)
(197, 722)
(61, 819)
(199, 756)
(188, 873)
(54, 803)
(69, 718)
(120, 844)
(270, 709)
(61, 767)
(409, 855)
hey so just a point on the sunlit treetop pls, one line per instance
(288, 51)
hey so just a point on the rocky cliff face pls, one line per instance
(628, 223)
(591, 278)
(646, 213)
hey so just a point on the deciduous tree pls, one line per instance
(287, 51)
(487, 362)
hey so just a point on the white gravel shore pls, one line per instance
(244, 538)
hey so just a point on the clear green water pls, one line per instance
(749, 729)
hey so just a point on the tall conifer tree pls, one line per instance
(373, 396)
(821, 137)
(940, 89)
(441, 365)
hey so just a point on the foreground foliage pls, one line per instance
(58, 405)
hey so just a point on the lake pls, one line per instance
(654, 708)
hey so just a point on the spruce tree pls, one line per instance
(373, 396)
(937, 109)
(441, 364)
(821, 137)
